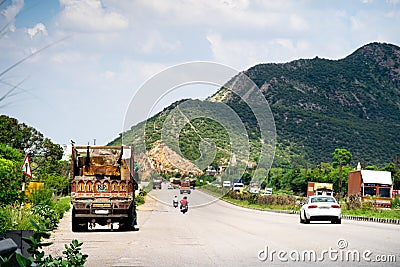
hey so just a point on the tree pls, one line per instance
(341, 156)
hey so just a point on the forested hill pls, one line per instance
(320, 104)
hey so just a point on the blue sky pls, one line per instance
(79, 88)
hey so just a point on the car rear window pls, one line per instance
(322, 199)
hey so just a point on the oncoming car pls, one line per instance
(321, 208)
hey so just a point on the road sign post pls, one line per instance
(26, 171)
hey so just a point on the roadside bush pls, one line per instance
(396, 203)
(72, 252)
(10, 182)
(353, 202)
(46, 212)
(12, 217)
(280, 200)
(253, 198)
(139, 200)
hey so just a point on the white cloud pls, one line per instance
(155, 41)
(90, 15)
(39, 28)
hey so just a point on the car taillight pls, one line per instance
(335, 206)
(312, 206)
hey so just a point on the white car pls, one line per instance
(267, 192)
(238, 187)
(321, 208)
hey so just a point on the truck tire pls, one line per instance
(129, 223)
(76, 227)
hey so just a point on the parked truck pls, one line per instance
(318, 189)
(103, 187)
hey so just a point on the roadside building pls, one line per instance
(371, 186)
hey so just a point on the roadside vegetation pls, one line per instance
(40, 207)
(48, 200)
(290, 187)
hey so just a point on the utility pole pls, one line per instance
(396, 171)
(340, 179)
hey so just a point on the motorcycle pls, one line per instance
(175, 204)
(184, 208)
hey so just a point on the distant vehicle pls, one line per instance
(238, 187)
(267, 192)
(175, 182)
(321, 208)
(255, 188)
(226, 184)
(184, 187)
(192, 183)
(157, 183)
(170, 186)
(319, 189)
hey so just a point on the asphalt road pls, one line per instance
(215, 233)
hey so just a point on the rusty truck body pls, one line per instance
(103, 186)
(184, 187)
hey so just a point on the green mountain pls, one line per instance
(318, 105)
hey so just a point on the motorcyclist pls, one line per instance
(175, 202)
(184, 202)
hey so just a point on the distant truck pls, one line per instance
(255, 187)
(103, 187)
(184, 187)
(175, 182)
(157, 183)
(319, 189)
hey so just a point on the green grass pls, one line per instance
(386, 214)
(244, 203)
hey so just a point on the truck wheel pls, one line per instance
(76, 227)
(129, 223)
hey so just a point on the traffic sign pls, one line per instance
(26, 167)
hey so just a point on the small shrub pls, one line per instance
(139, 200)
(396, 203)
(253, 198)
(279, 200)
(353, 202)
(13, 217)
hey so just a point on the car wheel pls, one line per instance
(305, 218)
(339, 221)
(301, 220)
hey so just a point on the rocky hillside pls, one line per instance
(318, 105)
